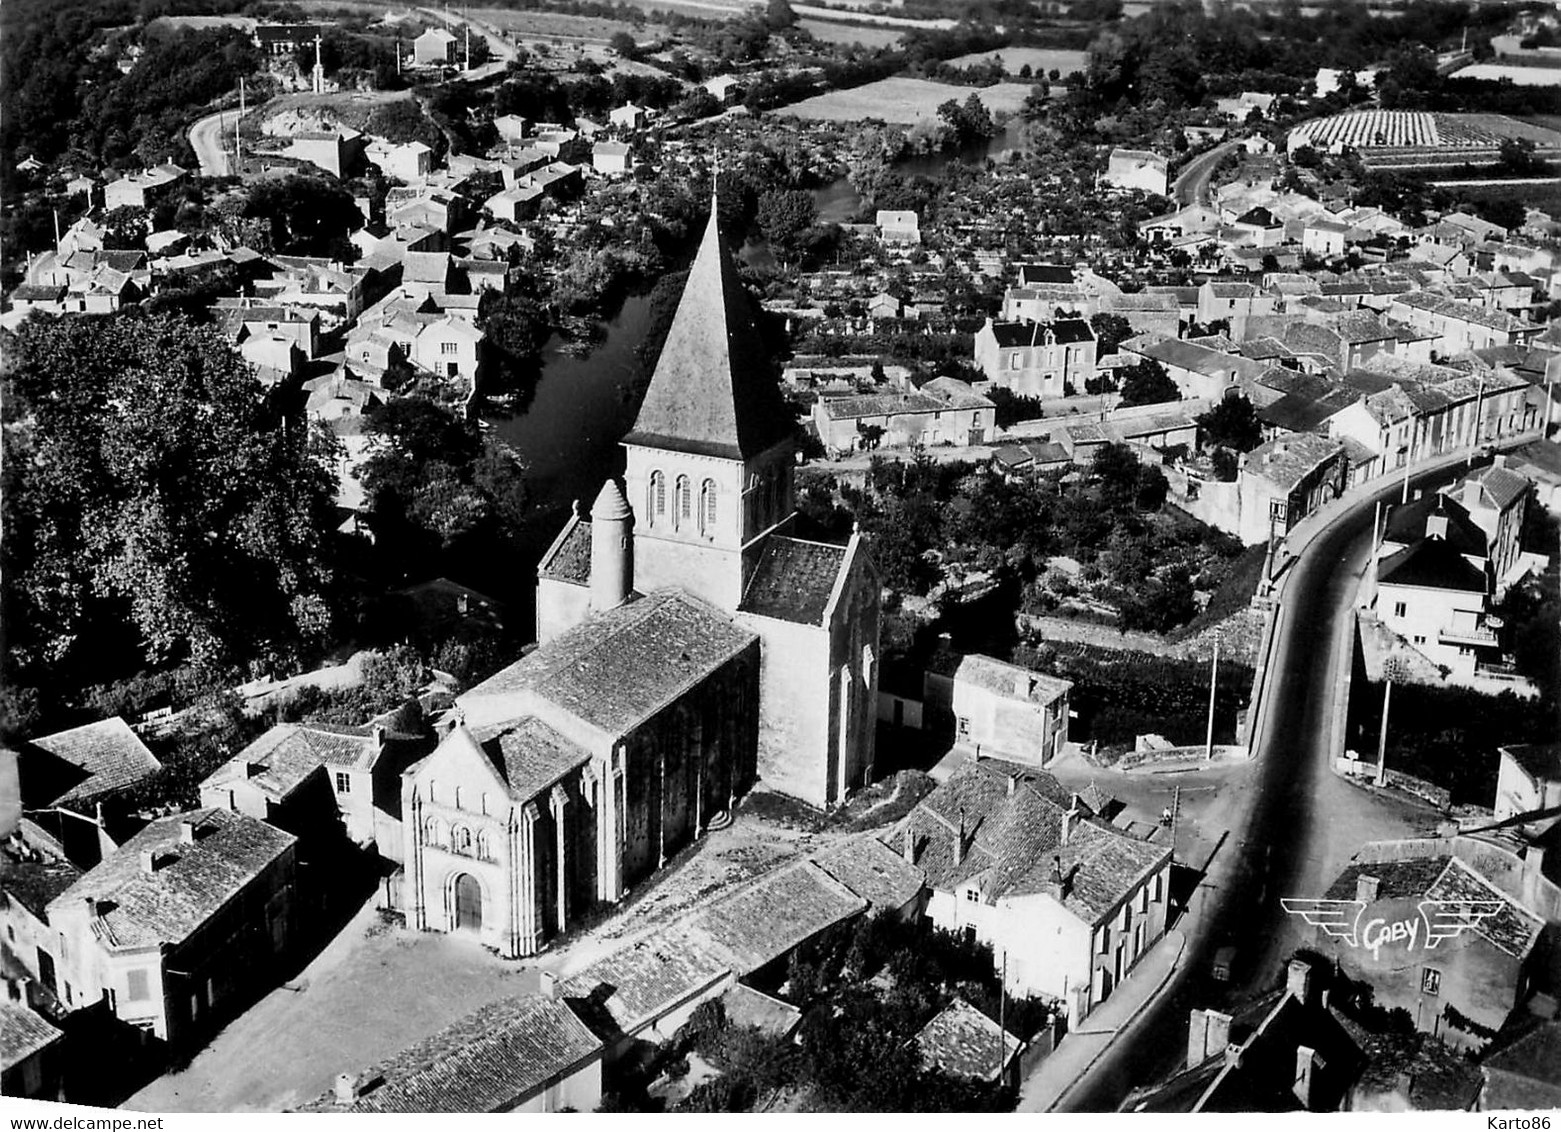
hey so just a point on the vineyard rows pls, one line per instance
(1409, 129)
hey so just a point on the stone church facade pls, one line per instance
(688, 645)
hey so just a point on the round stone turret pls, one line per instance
(612, 572)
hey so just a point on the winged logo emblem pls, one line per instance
(1338, 918)
(1445, 919)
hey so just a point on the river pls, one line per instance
(568, 433)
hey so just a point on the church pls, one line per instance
(689, 645)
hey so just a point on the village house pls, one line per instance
(1201, 372)
(33, 1053)
(142, 190)
(1496, 499)
(82, 765)
(409, 161)
(1521, 1074)
(1137, 169)
(512, 128)
(514, 205)
(30, 878)
(627, 117)
(434, 48)
(612, 159)
(450, 348)
(1528, 781)
(1323, 237)
(1434, 597)
(944, 411)
(1015, 861)
(324, 781)
(1462, 326)
(1232, 303)
(245, 318)
(179, 923)
(1279, 483)
(999, 709)
(338, 152)
(898, 227)
(527, 1053)
(963, 1042)
(1466, 988)
(727, 89)
(1037, 359)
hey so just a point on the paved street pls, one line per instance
(1291, 824)
(1192, 183)
(208, 138)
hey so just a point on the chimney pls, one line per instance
(1070, 818)
(1219, 1031)
(1367, 887)
(547, 984)
(1307, 1063)
(377, 734)
(346, 1089)
(908, 845)
(1436, 526)
(1197, 1038)
(1298, 981)
(1013, 784)
(1534, 862)
(959, 840)
(148, 866)
(186, 833)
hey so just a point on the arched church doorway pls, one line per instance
(468, 903)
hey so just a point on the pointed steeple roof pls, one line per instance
(711, 393)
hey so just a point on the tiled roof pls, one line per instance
(1523, 1075)
(756, 925)
(33, 884)
(1201, 359)
(529, 755)
(1502, 486)
(873, 871)
(1290, 459)
(570, 560)
(625, 990)
(23, 1032)
(281, 759)
(748, 1007)
(1514, 929)
(1011, 335)
(963, 1042)
(107, 752)
(794, 580)
(619, 667)
(1464, 312)
(1407, 523)
(1541, 761)
(711, 393)
(1435, 1077)
(489, 1061)
(1016, 845)
(1431, 564)
(878, 405)
(192, 880)
(998, 676)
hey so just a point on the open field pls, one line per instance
(1039, 59)
(547, 25)
(1521, 76)
(827, 31)
(902, 101)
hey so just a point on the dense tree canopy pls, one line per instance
(1147, 383)
(147, 482)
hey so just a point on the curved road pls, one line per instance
(208, 137)
(1278, 843)
(1192, 183)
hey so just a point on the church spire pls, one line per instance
(712, 392)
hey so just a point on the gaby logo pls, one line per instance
(1430, 923)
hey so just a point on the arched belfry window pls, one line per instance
(461, 840)
(685, 501)
(707, 506)
(657, 505)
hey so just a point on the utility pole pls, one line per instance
(56, 232)
(1214, 676)
(1378, 535)
(1479, 403)
(1002, 1028)
(1390, 670)
(1409, 458)
(238, 138)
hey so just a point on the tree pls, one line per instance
(126, 227)
(623, 45)
(309, 215)
(150, 485)
(1147, 383)
(1111, 330)
(1233, 424)
(778, 15)
(784, 216)
(1517, 157)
